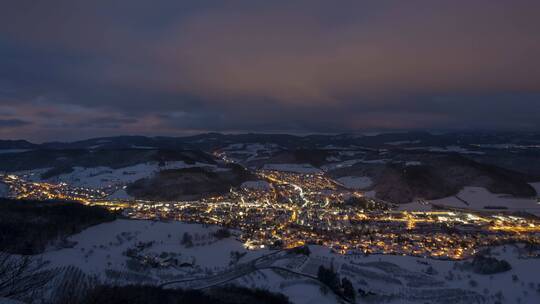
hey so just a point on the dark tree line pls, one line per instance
(136, 294)
(27, 226)
(487, 265)
(222, 233)
(187, 240)
(330, 278)
(301, 250)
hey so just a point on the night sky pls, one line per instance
(77, 69)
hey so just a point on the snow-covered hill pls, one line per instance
(103, 251)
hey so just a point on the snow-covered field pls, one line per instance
(415, 206)
(351, 162)
(100, 247)
(100, 177)
(297, 168)
(452, 149)
(7, 151)
(341, 164)
(99, 250)
(355, 182)
(247, 152)
(478, 198)
(412, 273)
(120, 194)
(508, 146)
(536, 187)
(402, 142)
(256, 185)
(412, 163)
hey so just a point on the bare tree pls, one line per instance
(72, 285)
(22, 276)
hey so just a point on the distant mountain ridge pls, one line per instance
(17, 144)
(216, 140)
(402, 166)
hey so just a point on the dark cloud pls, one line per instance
(12, 123)
(106, 123)
(172, 67)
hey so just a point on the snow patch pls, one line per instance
(355, 182)
(449, 149)
(478, 198)
(101, 247)
(257, 185)
(100, 177)
(7, 151)
(297, 168)
(120, 195)
(402, 142)
(413, 163)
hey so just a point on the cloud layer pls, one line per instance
(93, 68)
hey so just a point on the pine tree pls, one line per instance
(348, 289)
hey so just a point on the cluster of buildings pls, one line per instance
(22, 189)
(300, 209)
